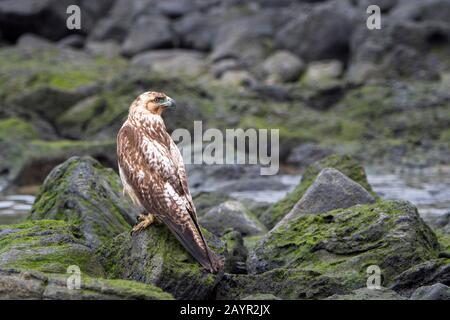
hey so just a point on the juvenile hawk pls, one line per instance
(153, 175)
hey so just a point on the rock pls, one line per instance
(108, 49)
(331, 22)
(47, 101)
(437, 291)
(47, 246)
(261, 296)
(224, 65)
(156, 257)
(237, 253)
(74, 41)
(176, 8)
(46, 18)
(283, 66)
(139, 38)
(345, 164)
(197, 31)
(331, 190)
(306, 154)
(246, 37)
(204, 200)
(28, 285)
(172, 63)
(422, 274)
(368, 294)
(83, 192)
(231, 215)
(341, 244)
(288, 284)
(323, 73)
(393, 53)
(237, 78)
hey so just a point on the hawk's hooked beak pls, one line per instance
(169, 103)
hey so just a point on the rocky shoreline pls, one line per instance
(311, 252)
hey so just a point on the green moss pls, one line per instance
(12, 129)
(21, 70)
(47, 246)
(444, 240)
(343, 243)
(344, 163)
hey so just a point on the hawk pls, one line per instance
(154, 177)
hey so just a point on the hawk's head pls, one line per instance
(152, 102)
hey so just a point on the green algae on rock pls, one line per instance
(155, 256)
(48, 246)
(16, 284)
(343, 163)
(341, 244)
(83, 192)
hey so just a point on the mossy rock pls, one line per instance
(83, 192)
(343, 163)
(16, 284)
(344, 242)
(287, 284)
(16, 129)
(48, 246)
(155, 256)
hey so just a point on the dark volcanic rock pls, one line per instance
(368, 294)
(437, 291)
(139, 38)
(331, 22)
(344, 242)
(237, 253)
(19, 285)
(83, 192)
(423, 274)
(155, 256)
(47, 246)
(344, 163)
(331, 190)
(47, 17)
(231, 215)
(306, 154)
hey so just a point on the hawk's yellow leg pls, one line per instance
(145, 220)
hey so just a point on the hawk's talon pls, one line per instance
(145, 222)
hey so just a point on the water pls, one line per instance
(15, 208)
(428, 189)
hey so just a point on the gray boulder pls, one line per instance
(172, 63)
(48, 246)
(83, 192)
(437, 291)
(368, 294)
(148, 32)
(33, 285)
(342, 243)
(231, 215)
(282, 66)
(306, 154)
(323, 32)
(155, 256)
(423, 274)
(331, 190)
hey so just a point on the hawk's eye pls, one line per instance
(158, 99)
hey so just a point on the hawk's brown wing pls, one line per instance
(154, 174)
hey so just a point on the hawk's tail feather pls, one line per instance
(200, 251)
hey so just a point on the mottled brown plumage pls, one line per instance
(154, 176)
